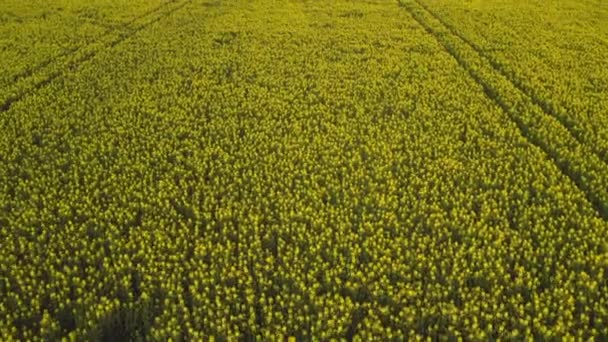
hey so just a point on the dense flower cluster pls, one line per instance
(310, 169)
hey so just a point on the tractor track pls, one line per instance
(531, 128)
(569, 124)
(122, 33)
(68, 52)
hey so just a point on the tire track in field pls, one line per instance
(66, 53)
(569, 124)
(78, 60)
(575, 160)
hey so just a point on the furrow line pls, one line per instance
(36, 68)
(569, 124)
(77, 60)
(576, 161)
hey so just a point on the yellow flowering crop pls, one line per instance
(303, 170)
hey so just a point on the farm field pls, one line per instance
(260, 170)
